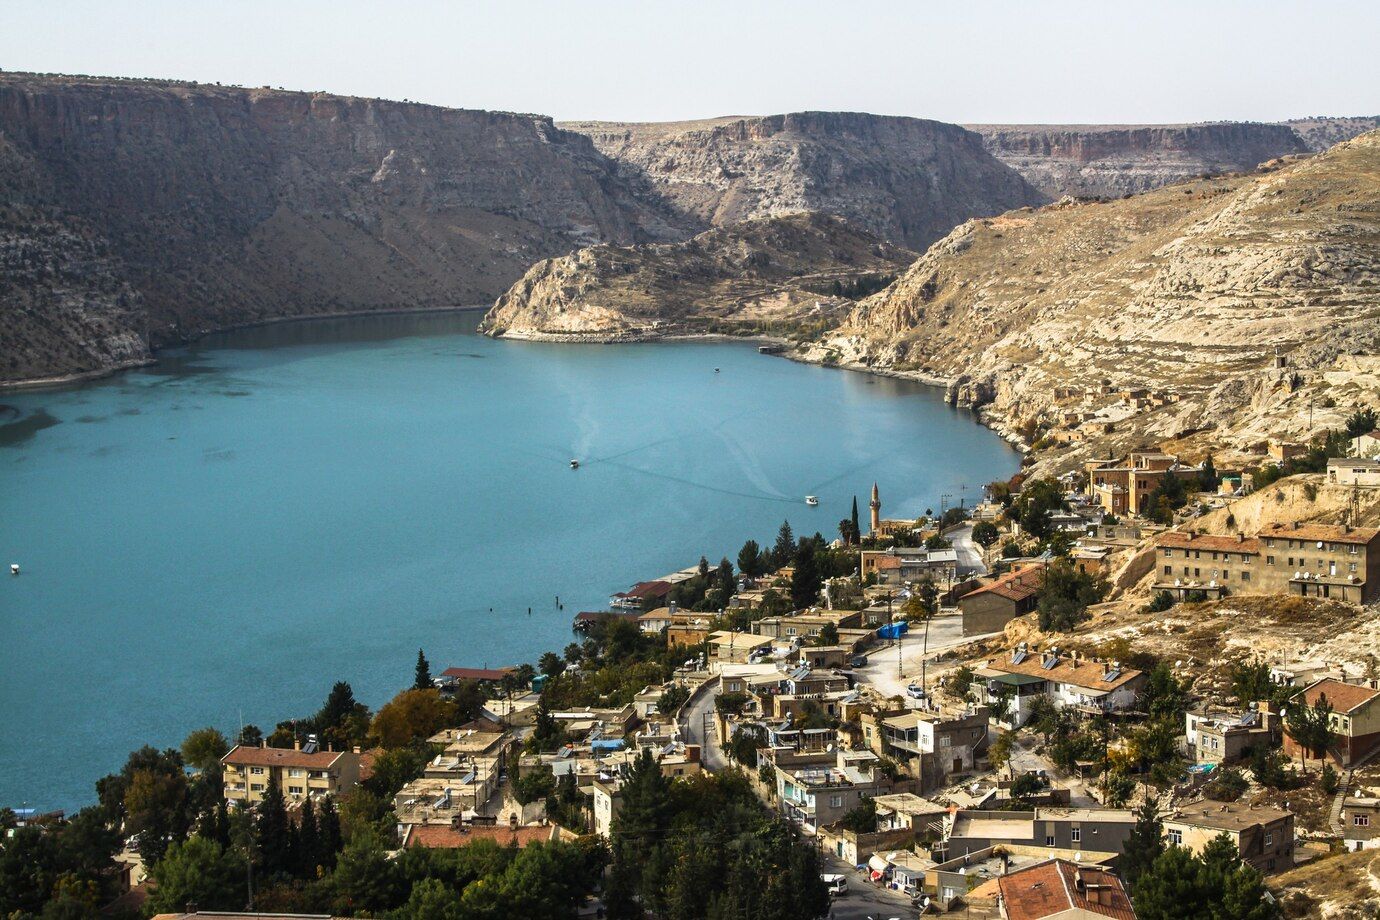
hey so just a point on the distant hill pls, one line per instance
(769, 273)
(906, 180)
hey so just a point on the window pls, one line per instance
(256, 787)
(1049, 840)
(257, 771)
(835, 801)
(297, 771)
(1245, 576)
(1169, 570)
(944, 740)
(1360, 820)
(1269, 560)
(296, 790)
(1176, 838)
(1269, 838)
(1076, 834)
(1245, 559)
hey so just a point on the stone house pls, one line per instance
(1228, 738)
(1263, 836)
(1355, 719)
(1360, 819)
(932, 747)
(1087, 685)
(1097, 829)
(989, 608)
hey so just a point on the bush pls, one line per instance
(1226, 786)
(1328, 780)
(1161, 602)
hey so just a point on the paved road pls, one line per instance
(969, 554)
(694, 715)
(889, 678)
(864, 899)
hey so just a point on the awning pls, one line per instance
(878, 864)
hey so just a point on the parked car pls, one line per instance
(837, 885)
(916, 692)
(858, 661)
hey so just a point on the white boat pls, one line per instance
(14, 568)
(574, 464)
(811, 500)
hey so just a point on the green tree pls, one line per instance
(412, 715)
(1174, 887)
(1310, 727)
(1164, 695)
(1360, 422)
(671, 699)
(204, 748)
(1065, 594)
(854, 525)
(1208, 480)
(201, 871)
(1143, 845)
(985, 533)
(806, 579)
(423, 674)
(828, 635)
(784, 549)
(861, 820)
(750, 559)
(272, 834)
(551, 665)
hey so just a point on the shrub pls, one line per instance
(1161, 602)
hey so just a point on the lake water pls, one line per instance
(221, 537)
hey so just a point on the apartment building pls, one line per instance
(1310, 560)
(932, 747)
(300, 771)
(1263, 836)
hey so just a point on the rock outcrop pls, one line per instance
(1116, 160)
(1230, 308)
(769, 274)
(218, 206)
(907, 180)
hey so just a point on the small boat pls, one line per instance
(574, 464)
(14, 568)
(811, 500)
(716, 370)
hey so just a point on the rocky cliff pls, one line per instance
(768, 274)
(215, 206)
(1115, 160)
(1105, 324)
(905, 179)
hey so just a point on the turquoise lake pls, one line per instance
(222, 536)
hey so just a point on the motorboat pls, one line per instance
(14, 568)
(574, 464)
(811, 500)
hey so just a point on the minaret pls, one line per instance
(876, 506)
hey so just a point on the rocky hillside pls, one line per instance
(764, 274)
(1322, 132)
(1103, 324)
(1116, 160)
(214, 206)
(905, 179)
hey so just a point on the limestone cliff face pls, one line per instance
(1115, 160)
(905, 179)
(1047, 316)
(764, 274)
(223, 205)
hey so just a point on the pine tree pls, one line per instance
(329, 841)
(1143, 846)
(271, 831)
(785, 546)
(749, 559)
(1243, 898)
(308, 855)
(806, 579)
(423, 681)
(1174, 887)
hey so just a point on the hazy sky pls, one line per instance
(960, 60)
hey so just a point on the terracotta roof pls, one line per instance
(494, 674)
(1178, 539)
(244, 756)
(1015, 586)
(446, 837)
(1326, 533)
(1058, 885)
(1081, 673)
(1340, 696)
(644, 589)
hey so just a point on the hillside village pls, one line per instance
(1148, 670)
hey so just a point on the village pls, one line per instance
(1033, 707)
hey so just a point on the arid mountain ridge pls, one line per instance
(141, 213)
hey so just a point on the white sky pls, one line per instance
(1050, 61)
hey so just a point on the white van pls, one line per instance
(837, 884)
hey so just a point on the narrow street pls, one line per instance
(693, 716)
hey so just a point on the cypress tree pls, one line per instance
(857, 528)
(423, 681)
(308, 855)
(329, 841)
(1143, 846)
(806, 579)
(273, 835)
(785, 545)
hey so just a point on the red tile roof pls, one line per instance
(1016, 586)
(1178, 539)
(1325, 533)
(493, 674)
(244, 756)
(1340, 696)
(645, 589)
(446, 837)
(1056, 886)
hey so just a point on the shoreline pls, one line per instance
(64, 380)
